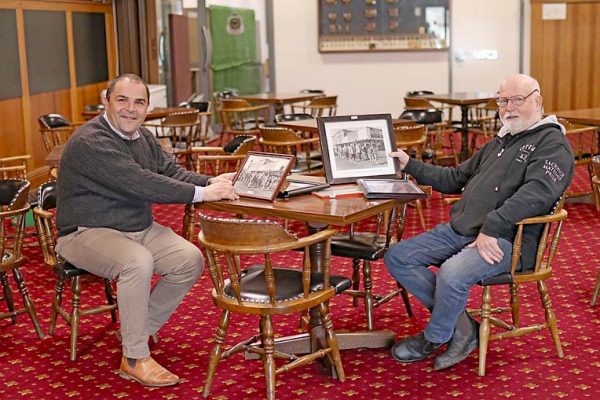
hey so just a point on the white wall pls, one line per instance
(376, 82)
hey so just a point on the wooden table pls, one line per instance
(588, 116)
(464, 100)
(318, 214)
(276, 100)
(311, 126)
(155, 113)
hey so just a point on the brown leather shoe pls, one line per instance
(147, 372)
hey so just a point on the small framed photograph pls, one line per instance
(357, 146)
(262, 174)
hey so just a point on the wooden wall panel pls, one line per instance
(565, 56)
(12, 140)
(88, 95)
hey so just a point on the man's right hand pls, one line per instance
(219, 190)
(402, 157)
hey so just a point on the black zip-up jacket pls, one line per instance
(508, 179)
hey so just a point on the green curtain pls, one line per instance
(234, 61)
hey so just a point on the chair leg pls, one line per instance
(406, 300)
(596, 289)
(215, 353)
(484, 328)
(332, 341)
(515, 304)
(27, 302)
(268, 344)
(110, 297)
(355, 279)
(56, 303)
(419, 207)
(550, 317)
(368, 286)
(8, 297)
(75, 315)
(189, 221)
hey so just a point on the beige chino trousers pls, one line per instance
(132, 258)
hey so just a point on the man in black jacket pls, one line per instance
(520, 173)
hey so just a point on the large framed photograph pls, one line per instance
(262, 174)
(357, 146)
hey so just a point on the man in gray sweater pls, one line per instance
(519, 174)
(111, 172)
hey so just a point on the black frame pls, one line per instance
(339, 153)
(245, 189)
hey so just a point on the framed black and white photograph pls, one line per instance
(357, 146)
(262, 174)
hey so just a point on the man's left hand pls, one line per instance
(488, 248)
(228, 177)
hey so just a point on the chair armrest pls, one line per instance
(207, 149)
(542, 219)
(16, 158)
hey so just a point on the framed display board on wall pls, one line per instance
(383, 25)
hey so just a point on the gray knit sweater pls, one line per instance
(105, 181)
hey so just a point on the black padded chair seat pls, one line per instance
(426, 117)
(500, 279)
(364, 246)
(54, 120)
(289, 284)
(67, 270)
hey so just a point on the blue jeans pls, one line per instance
(446, 293)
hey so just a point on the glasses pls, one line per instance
(516, 100)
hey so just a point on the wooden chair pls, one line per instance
(55, 130)
(285, 141)
(239, 117)
(440, 136)
(369, 247)
(17, 167)
(551, 228)
(596, 180)
(183, 129)
(415, 101)
(211, 161)
(413, 138)
(300, 106)
(63, 270)
(325, 106)
(584, 142)
(13, 207)
(484, 125)
(265, 290)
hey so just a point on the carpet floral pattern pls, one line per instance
(525, 367)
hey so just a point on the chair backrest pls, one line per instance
(43, 217)
(292, 117)
(229, 241)
(417, 103)
(14, 167)
(409, 135)
(551, 229)
(13, 207)
(322, 106)
(426, 117)
(182, 128)
(583, 140)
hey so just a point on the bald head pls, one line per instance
(519, 117)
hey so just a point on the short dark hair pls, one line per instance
(131, 77)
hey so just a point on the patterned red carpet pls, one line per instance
(526, 367)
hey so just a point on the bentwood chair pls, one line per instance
(440, 135)
(212, 161)
(63, 270)
(584, 142)
(322, 106)
(285, 141)
(13, 207)
(239, 117)
(55, 130)
(369, 247)
(415, 100)
(266, 290)
(183, 129)
(550, 228)
(300, 106)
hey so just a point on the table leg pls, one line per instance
(464, 133)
